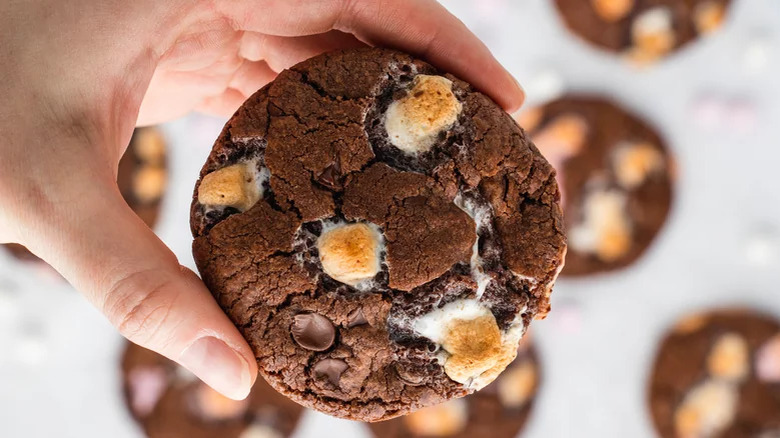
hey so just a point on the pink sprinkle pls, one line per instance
(568, 318)
(708, 111)
(742, 115)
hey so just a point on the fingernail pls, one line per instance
(219, 366)
(516, 106)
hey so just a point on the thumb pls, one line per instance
(109, 254)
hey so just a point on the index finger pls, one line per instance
(423, 28)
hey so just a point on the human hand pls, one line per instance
(77, 76)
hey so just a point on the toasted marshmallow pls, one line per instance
(414, 121)
(729, 358)
(149, 183)
(612, 10)
(239, 186)
(445, 419)
(606, 228)
(634, 162)
(351, 253)
(707, 410)
(260, 431)
(652, 34)
(708, 16)
(216, 407)
(517, 385)
(476, 349)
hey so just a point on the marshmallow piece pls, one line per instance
(149, 145)
(414, 121)
(469, 333)
(708, 16)
(652, 35)
(561, 138)
(606, 229)
(517, 385)
(257, 430)
(768, 360)
(444, 419)
(690, 324)
(634, 162)
(350, 253)
(149, 183)
(612, 10)
(216, 407)
(236, 186)
(707, 410)
(529, 119)
(729, 358)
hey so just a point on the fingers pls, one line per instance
(223, 105)
(421, 27)
(283, 52)
(107, 252)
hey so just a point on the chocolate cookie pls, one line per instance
(169, 402)
(142, 178)
(717, 374)
(499, 410)
(642, 30)
(380, 232)
(616, 177)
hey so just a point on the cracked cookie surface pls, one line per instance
(355, 249)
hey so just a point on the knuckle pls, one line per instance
(140, 306)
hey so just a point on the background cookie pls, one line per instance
(142, 178)
(381, 233)
(642, 30)
(616, 177)
(498, 411)
(718, 374)
(168, 401)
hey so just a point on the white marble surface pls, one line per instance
(717, 104)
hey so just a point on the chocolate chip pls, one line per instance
(330, 368)
(355, 318)
(412, 377)
(313, 331)
(330, 177)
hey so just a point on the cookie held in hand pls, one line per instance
(381, 233)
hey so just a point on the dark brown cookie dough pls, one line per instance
(169, 402)
(380, 232)
(717, 374)
(642, 30)
(500, 410)
(142, 177)
(616, 176)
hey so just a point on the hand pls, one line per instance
(76, 77)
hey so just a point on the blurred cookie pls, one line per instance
(169, 402)
(142, 178)
(381, 225)
(616, 178)
(500, 410)
(642, 30)
(717, 374)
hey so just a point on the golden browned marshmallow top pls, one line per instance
(652, 35)
(518, 384)
(634, 162)
(729, 358)
(236, 186)
(708, 16)
(605, 229)
(707, 410)
(612, 10)
(477, 351)
(149, 145)
(414, 121)
(563, 137)
(441, 420)
(149, 183)
(216, 406)
(350, 253)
